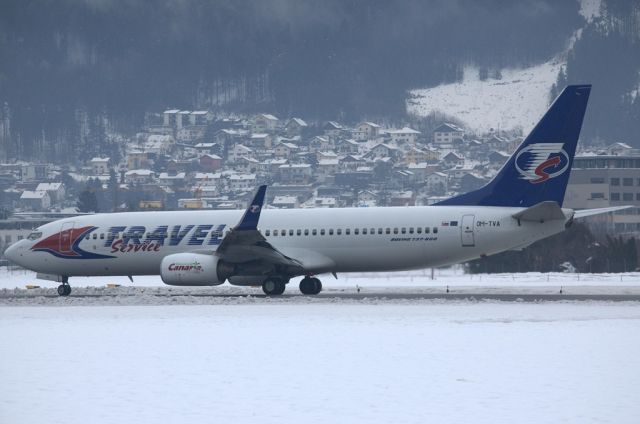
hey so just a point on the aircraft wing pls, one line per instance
(589, 212)
(244, 244)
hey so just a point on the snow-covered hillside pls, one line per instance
(517, 100)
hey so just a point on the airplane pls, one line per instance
(267, 247)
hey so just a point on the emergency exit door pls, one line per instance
(466, 230)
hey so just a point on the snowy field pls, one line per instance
(443, 362)
(453, 277)
(519, 99)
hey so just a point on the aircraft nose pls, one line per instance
(12, 253)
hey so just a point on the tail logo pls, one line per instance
(540, 162)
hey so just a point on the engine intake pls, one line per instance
(193, 269)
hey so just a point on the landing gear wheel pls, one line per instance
(273, 286)
(64, 289)
(310, 285)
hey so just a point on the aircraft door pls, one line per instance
(466, 230)
(65, 237)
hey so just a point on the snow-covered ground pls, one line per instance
(453, 277)
(519, 99)
(441, 362)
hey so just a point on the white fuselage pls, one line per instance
(323, 240)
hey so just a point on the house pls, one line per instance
(33, 172)
(210, 148)
(497, 157)
(209, 162)
(471, 181)
(366, 198)
(437, 183)
(295, 126)
(247, 165)
(619, 149)
(191, 133)
(326, 168)
(319, 143)
(139, 176)
(260, 141)
(351, 163)
(265, 123)
(347, 147)
(404, 135)
(453, 159)
(242, 182)
(100, 166)
(198, 117)
(332, 129)
(35, 200)
(56, 191)
(496, 142)
(416, 155)
(447, 134)
(380, 151)
(295, 173)
(402, 198)
(367, 130)
(239, 151)
(326, 202)
(285, 202)
(172, 180)
(137, 159)
(285, 150)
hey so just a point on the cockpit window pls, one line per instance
(35, 235)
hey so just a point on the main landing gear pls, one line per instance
(64, 289)
(274, 286)
(310, 285)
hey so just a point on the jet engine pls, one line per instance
(194, 269)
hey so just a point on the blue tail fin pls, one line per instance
(539, 169)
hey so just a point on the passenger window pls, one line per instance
(373, 231)
(330, 231)
(101, 236)
(410, 230)
(314, 232)
(347, 231)
(419, 230)
(426, 230)
(403, 230)
(283, 233)
(339, 230)
(379, 230)
(322, 232)
(298, 232)
(356, 231)
(435, 230)
(290, 232)
(266, 233)
(395, 230)
(364, 231)
(388, 230)
(95, 236)
(275, 233)
(306, 231)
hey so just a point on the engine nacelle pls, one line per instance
(193, 269)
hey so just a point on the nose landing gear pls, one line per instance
(64, 289)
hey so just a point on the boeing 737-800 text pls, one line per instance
(521, 205)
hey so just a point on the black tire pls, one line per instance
(273, 286)
(307, 286)
(64, 290)
(317, 286)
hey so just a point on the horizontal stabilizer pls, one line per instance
(589, 212)
(543, 211)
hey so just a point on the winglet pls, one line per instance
(251, 216)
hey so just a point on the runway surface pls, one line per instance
(228, 295)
